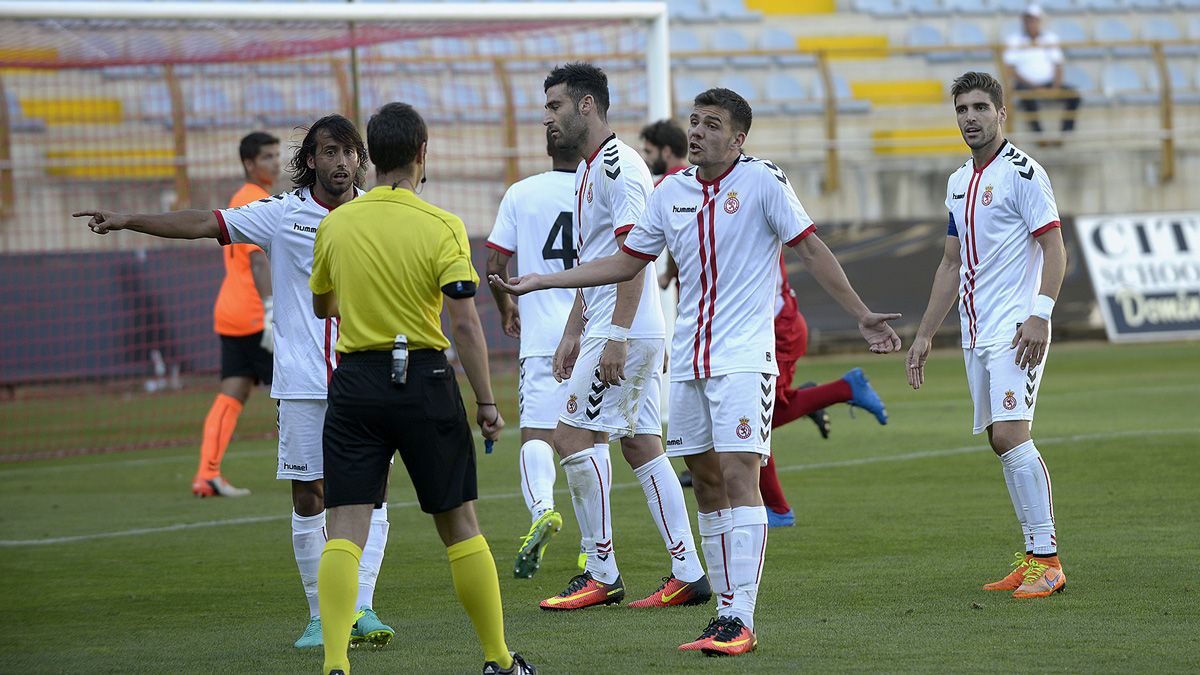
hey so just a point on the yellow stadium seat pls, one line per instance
(73, 110)
(133, 164)
(846, 46)
(936, 141)
(901, 92)
(788, 7)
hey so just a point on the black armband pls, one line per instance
(460, 289)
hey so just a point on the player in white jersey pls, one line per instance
(723, 222)
(615, 370)
(327, 168)
(1004, 261)
(535, 223)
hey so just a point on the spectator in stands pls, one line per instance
(242, 318)
(664, 147)
(1035, 66)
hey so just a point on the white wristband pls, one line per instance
(1043, 306)
(618, 333)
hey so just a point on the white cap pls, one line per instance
(1033, 10)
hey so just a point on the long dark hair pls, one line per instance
(341, 130)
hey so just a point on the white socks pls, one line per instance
(746, 548)
(664, 496)
(714, 530)
(308, 540)
(537, 477)
(372, 557)
(588, 474)
(1032, 496)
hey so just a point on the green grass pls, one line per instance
(897, 528)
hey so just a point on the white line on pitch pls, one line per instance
(948, 452)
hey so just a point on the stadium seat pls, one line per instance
(314, 99)
(881, 8)
(687, 11)
(209, 106)
(269, 106)
(846, 103)
(730, 39)
(1056, 7)
(749, 91)
(1069, 30)
(928, 7)
(1165, 28)
(1183, 90)
(791, 95)
(969, 34)
(732, 10)
(1111, 30)
(465, 102)
(1123, 83)
(18, 122)
(545, 46)
(774, 37)
(687, 41)
(1078, 77)
(685, 88)
(926, 35)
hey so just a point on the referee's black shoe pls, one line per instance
(819, 417)
(518, 667)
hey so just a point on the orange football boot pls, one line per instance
(714, 625)
(1043, 578)
(676, 593)
(1014, 579)
(732, 638)
(584, 591)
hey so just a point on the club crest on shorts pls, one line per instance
(1010, 400)
(732, 203)
(589, 193)
(986, 200)
(572, 406)
(743, 430)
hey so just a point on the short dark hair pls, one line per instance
(730, 101)
(253, 144)
(395, 135)
(582, 79)
(972, 81)
(666, 134)
(339, 129)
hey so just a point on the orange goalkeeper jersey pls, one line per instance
(239, 310)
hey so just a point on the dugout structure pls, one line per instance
(139, 106)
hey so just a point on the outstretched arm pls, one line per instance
(510, 319)
(941, 299)
(611, 270)
(828, 272)
(190, 224)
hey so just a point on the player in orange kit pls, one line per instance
(242, 318)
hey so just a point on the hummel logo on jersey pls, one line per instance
(683, 209)
(611, 157)
(958, 195)
(304, 228)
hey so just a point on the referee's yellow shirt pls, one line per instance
(387, 255)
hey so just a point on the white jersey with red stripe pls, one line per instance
(284, 227)
(725, 236)
(611, 189)
(997, 211)
(536, 223)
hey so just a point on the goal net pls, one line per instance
(139, 107)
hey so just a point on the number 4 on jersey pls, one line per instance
(561, 234)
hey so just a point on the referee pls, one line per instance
(383, 262)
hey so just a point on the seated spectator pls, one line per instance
(1035, 68)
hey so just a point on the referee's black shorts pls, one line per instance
(244, 356)
(369, 418)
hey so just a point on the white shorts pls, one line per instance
(301, 424)
(539, 395)
(727, 413)
(629, 408)
(999, 388)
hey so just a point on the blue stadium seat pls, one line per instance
(1123, 83)
(744, 86)
(415, 94)
(1112, 30)
(732, 10)
(846, 103)
(685, 88)
(730, 39)
(1166, 28)
(774, 37)
(209, 106)
(268, 105)
(926, 35)
(314, 99)
(687, 11)
(791, 95)
(968, 34)
(155, 104)
(1183, 90)
(928, 7)
(881, 8)
(18, 122)
(465, 103)
(1083, 82)
(687, 41)
(1069, 30)
(1056, 7)
(1107, 5)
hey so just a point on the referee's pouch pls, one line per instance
(430, 392)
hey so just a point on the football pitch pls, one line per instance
(108, 564)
